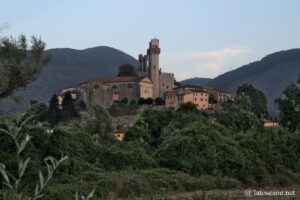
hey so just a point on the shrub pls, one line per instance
(124, 101)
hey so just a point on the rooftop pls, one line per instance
(115, 79)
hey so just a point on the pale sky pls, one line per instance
(198, 38)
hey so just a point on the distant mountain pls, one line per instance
(272, 75)
(195, 81)
(67, 68)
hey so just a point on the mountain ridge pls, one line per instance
(272, 74)
(67, 68)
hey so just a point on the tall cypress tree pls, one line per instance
(54, 111)
(68, 107)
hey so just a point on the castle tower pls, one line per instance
(153, 73)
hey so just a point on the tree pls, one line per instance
(177, 153)
(257, 98)
(141, 101)
(19, 65)
(54, 111)
(39, 111)
(149, 101)
(68, 107)
(289, 107)
(132, 102)
(236, 117)
(127, 70)
(188, 108)
(97, 122)
(124, 101)
(159, 101)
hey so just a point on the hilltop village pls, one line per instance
(149, 83)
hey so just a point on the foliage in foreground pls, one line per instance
(165, 151)
(19, 65)
(14, 181)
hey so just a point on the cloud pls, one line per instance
(203, 64)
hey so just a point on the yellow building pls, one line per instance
(203, 97)
(197, 97)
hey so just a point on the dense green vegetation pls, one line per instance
(165, 150)
(258, 101)
(289, 106)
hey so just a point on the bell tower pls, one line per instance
(153, 73)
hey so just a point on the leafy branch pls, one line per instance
(15, 183)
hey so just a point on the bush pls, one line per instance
(124, 101)
(98, 124)
(118, 109)
(149, 101)
(141, 101)
(132, 102)
(116, 157)
(177, 153)
(188, 108)
(159, 101)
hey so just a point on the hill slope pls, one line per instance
(195, 81)
(67, 68)
(272, 75)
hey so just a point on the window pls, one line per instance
(129, 85)
(201, 99)
(96, 86)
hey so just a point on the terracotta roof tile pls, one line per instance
(115, 79)
(267, 121)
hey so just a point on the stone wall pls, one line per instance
(166, 81)
(129, 90)
(96, 94)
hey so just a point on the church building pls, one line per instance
(150, 82)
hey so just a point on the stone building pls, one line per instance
(149, 66)
(73, 91)
(171, 99)
(105, 90)
(151, 82)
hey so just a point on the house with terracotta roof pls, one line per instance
(269, 123)
(204, 97)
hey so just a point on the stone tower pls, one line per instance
(153, 72)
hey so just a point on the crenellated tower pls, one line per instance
(149, 65)
(154, 70)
